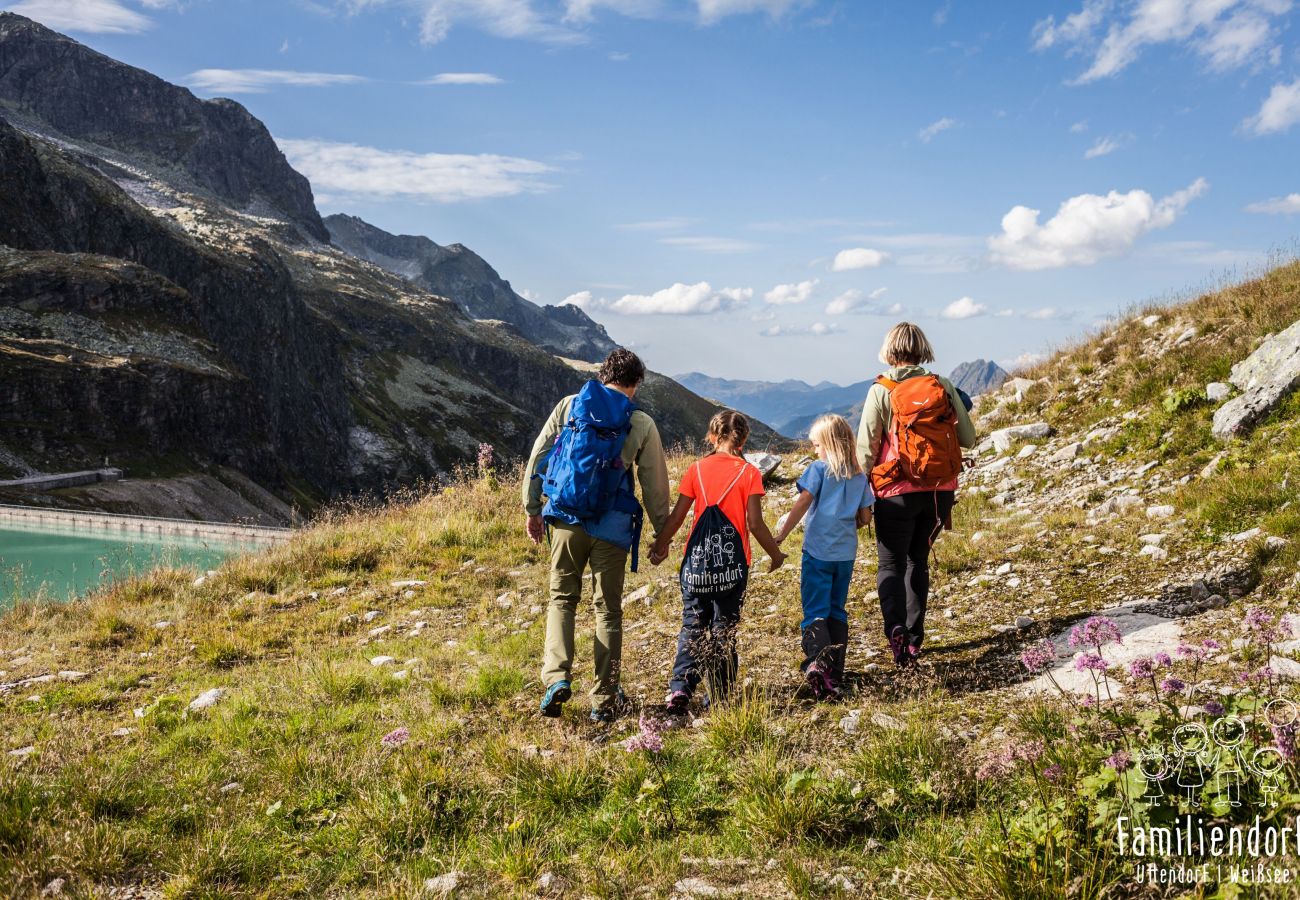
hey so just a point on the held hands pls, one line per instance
(658, 552)
(777, 560)
(535, 528)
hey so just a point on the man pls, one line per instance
(599, 542)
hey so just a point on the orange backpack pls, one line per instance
(924, 425)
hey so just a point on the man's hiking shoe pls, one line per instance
(898, 646)
(616, 707)
(555, 697)
(677, 703)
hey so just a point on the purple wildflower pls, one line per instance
(650, 738)
(1259, 676)
(1172, 685)
(1119, 760)
(1211, 644)
(1284, 742)
(1052, 773)
(1088, 700)
(1038, 657)
(1213, 707)
(1141, 668)
(1095, 632)
(1257, 619)
(1086, 662)
(396, 738)
(1162, 659)
(485, 454)
(1029, 751)
(999, 765)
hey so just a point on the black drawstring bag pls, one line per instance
(714, 568)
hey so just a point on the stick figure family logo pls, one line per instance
(1223, 756)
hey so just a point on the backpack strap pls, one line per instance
(733, 482)
(887, 383)
(700, 479)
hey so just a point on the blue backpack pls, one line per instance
(585, 482)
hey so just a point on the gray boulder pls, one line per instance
(1003, 438)
(1266, 378)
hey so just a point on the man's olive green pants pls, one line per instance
(572, 552)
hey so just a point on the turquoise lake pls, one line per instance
(63, 564)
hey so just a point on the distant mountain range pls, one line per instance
(792, 406)
(457, 272)
(170, 300)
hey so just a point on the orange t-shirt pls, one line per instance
(717, 472)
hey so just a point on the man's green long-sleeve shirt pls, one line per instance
(643, 455)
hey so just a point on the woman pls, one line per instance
(914, 473)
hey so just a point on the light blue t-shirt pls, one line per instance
(831, 525)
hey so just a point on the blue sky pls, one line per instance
(760, 188)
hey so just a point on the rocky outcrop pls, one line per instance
(460, 274)
(978, 377)
(213, 146)
(1266, 378)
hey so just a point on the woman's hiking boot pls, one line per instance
(898, 646)
(554, 699)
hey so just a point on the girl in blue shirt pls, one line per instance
(836, 497)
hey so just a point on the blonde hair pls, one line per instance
(835, 436)
(728, 426)
(906, 344)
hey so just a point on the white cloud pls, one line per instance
(1280, 110)
(350, 169)
(682, 300)
(704, 244)
(92, 16)
(1278, 206)
(1048, 312)
(856, 301)
(530, 296)
(463, 78)
(1228, 34)
(929, 132)
(1102, 147)
(502, 18)
(259, 81)
(964, 308)
(787, 294)
(619, 56)
(582, 300)
(1079, 127)
(858, 258)
(940, 17)
(712, 11)
(1023, 361)
(584, 10)
(816, 329)
(1086, 228)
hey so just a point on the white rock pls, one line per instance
(849, 724)
(1285, 667)
(948, 613)
(409, 583)
(69, 675)
(1066, 453)
(640, 594)
(371, 615)
(338, 592)
(123, 732)
(54, 888)
(547, 880)
(842, 882)
(207, 698)
(1242, 536)
(1003, 438)
(978, 536)
(1217, 390)
(1154, 551)
(886, 721)
(764, 462)
(1119, 504)
(382, 629)
(402, 674)
(1004, 569)
(1151, 320)
(200, 581)
(22, 751)
(162, 625)
(1027, 451)
(378, 661)
(1184, 337)
(1024, 621)
(506, 600)
(1160, 512)
(1273, 542)
(1013, 582)
(231, 787)
(1152, 539)
(696, 887)
(443, 885)
(1212, 467)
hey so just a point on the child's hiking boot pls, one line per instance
(554, 699)
(838, 649)
(898, 646)
(820, 681)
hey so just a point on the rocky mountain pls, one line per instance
(459, 273)
(183, 319)
(52, 84)
(791, 405)
(979, 377)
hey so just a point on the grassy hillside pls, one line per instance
(949, 781)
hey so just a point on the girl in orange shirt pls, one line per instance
(724, 491)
